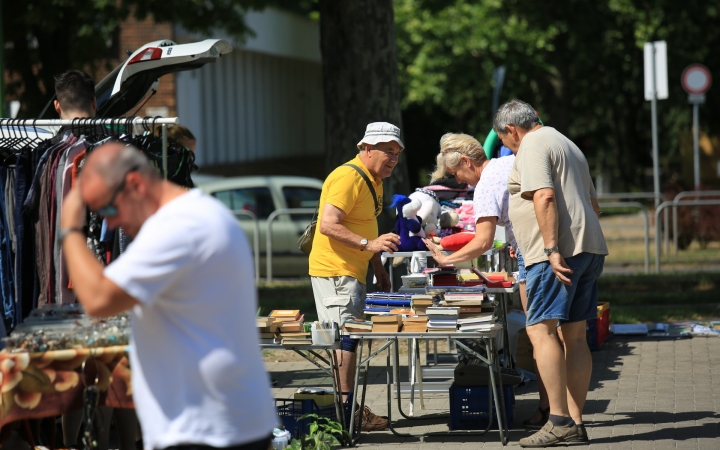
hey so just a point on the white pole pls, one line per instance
(656, 162)
(696, 149)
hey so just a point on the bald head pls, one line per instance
(111, 162)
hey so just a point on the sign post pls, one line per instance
(656, 88)
(696, 81)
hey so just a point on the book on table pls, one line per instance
(357, 326)
(285, 315)
(292, 327)
(482, 318)
(265, 322)
(415, 324)
(487, 326)
(442, 311)
(296, 342)
(386, 319)
(267, 335)
(386, 327)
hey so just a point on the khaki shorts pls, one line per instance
(338, 299)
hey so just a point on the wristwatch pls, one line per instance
(550, 251)
(66, 231)
(363, 243)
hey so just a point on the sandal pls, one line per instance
(538, 425)
(550, 435)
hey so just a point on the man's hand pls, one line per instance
(512, 252)
(383, 280)
(385, 243)
(560, 268)
(437, 255)
(73, 209)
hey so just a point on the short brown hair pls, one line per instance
(75, 90)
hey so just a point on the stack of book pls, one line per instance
(383, 302)
(442, 319)
(386, 324)
(443, 275)
(358, 326)
(268, 329)
(291, 327)
(460, 299)
(415, 324)
(479, 322)
(420, 303)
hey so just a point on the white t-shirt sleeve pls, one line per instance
(154, 262)
(485, 199)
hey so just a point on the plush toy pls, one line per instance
(429, 212)
(407, 225)
(448, 223)
(431, 232)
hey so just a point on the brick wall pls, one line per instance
(133, 34)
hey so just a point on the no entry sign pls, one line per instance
(696, 79)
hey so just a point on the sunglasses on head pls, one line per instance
(110, 210)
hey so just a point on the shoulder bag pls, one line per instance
(306, 239)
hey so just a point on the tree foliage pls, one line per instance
(46, 37)
(579, 63)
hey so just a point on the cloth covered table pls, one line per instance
(44, 384)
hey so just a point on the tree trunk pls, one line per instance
(360, 79)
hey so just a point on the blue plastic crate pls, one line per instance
(291, 410)
(469, 407)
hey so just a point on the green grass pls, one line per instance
(661, 298)
(633, 298)
(295, 295)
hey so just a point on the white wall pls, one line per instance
(262, 100)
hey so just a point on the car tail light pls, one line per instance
(149, 54)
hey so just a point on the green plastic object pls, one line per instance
(490, 141)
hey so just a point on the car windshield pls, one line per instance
(301, 197)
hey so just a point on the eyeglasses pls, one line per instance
(110, 210)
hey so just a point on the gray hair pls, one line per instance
(129, 158)
(515, 112)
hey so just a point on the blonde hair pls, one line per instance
(453, 146)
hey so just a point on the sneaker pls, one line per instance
(370, 421)
(550, 435)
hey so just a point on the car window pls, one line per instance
(257, 200)
(301, 197)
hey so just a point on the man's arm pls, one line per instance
(547, 217)
(332, 227)
(99, 296)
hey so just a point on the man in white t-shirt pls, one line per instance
(198, 377)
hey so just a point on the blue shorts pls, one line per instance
(549, 299)
(522, 273)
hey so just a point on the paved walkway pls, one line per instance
(644, 394)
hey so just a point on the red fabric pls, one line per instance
(455, 242)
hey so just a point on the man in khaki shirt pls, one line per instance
(554, 212)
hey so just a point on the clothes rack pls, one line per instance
(14, 125)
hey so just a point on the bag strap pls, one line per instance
(367, 180)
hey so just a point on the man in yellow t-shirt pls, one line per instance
(346, 239)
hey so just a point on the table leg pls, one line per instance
(353, 411)
(499, 400)
(411, 367)
(339, 407)
(418, 367)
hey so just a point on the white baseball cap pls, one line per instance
(377, 132)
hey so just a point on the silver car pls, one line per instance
(260, 196)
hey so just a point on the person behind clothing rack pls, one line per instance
(75, 95)
(197, 372)
(180, 134)
(75, 92)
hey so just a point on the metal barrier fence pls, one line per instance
(256, 239)
(644, 210)
(268, 234)
(664, 206)
(679, 197)
(643, 196)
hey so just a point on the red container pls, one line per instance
(598, 329)
(500, 284)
